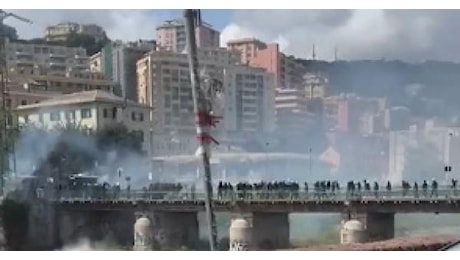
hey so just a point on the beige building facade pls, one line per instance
(25, 56)
(171, 36)
(246, 102)
(62, 31)
(90, 110)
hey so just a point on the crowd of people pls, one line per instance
(260, 190)
(265, 190)
(328, 189)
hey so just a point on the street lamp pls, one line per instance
(266, 158)
(309, 162)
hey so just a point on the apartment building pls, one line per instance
(171, 36)
(292, 116)
(25, 56)
(315, 85)
(288, 73)
(350, 113)
(62, 31)
(90, 110)
(25, 93)
(117, 61)
(63, 82)
(164, 83)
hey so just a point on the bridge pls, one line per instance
(174, 214)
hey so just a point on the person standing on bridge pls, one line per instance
(434, 188)
(454, 187)
(415, 190)
(425, 188)
(376, 189)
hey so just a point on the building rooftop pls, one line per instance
(245, 40)
(81, 97)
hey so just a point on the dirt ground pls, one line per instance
(419, 243)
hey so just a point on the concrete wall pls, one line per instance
(270, 230)
(173, 230)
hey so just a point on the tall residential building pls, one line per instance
(248, 48)
(171, 36)
(246, 104)
(288, 73)
(292, 116)
(26, 56)
(91, 110)
(117, 61)
(348, 113)
(62, 31)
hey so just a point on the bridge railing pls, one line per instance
(140, 195)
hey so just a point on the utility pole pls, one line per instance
(203, 119)
(5, 113)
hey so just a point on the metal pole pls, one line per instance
(309, 162)
(152, 165)
(200, 106)
(3, 115)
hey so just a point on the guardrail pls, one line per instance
(136, 195)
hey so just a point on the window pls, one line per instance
(141, 116)
(133, 116)
(70, 115)
(8, 102)
(55, 116)
(114, 112)
(23, 102)
(40, 118)
(86, 113)
(26, 118)
(105, 113)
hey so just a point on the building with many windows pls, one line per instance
(288, 73)
(171, 36)
(117, 61)
(90, 110)
(62, 31)
(246, 103)
(63, 82)
(25, 56)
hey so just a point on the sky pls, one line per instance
(410, 35)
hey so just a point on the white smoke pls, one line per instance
(84, 244)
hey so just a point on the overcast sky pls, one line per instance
(412, 35)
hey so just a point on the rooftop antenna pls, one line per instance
(6, 142)
(335, 54)
(313, 55)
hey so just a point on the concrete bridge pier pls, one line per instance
(175, 230)
(270, 230)
(114, 227)
(378, 226)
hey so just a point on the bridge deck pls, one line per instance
(446, 201)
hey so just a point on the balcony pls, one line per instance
(24, 54)
(56, 55)
(57, 65)
(25, 62)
